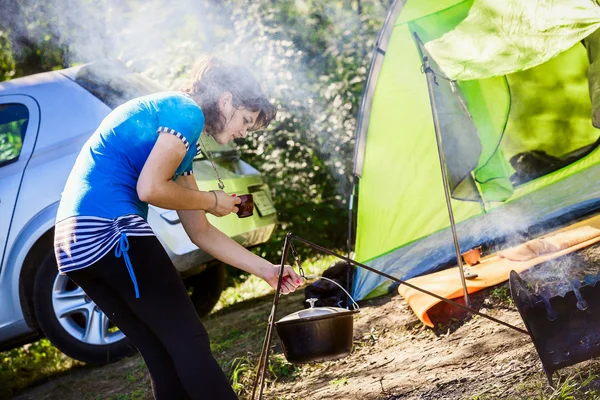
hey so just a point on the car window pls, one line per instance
(13, 124)
(113, 83)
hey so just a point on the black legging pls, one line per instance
(162, 323)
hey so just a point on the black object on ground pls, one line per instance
(328, 293)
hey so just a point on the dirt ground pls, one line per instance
(394, 357)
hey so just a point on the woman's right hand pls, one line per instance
(291, 280)
(225, 204)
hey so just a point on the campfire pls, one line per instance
(557, 276)
(559, 301)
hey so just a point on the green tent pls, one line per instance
(519, 145)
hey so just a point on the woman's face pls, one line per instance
(238, 120)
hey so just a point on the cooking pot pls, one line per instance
(317, 334)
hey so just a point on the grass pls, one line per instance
(239, 370)
(501, 294)
(40, 361)
(339, 382)
(575, 386)
(225, 340)
(30, 364)
(249, 286)
(242, 372)
(236, 340)
(579, 384)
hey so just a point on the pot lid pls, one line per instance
(315, 312)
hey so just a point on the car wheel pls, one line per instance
(206, 287)
(72, 321)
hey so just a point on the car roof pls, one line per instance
(20, 85)
(67, 111)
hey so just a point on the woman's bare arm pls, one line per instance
(156, 187)
(204, 235)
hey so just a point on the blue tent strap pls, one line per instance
(121, 249)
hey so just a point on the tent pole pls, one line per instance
(430, 82)
(351, 235)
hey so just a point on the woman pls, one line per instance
(142, 154)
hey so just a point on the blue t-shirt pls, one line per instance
(103, 180)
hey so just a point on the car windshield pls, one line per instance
(113, 83)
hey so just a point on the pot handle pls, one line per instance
(354, 305)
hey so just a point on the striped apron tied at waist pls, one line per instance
(83, 240)
(121, 250)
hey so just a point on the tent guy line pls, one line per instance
(264, 354)
(400, 281)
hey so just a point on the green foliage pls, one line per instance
(312, 56)
(501, 294)
(32, 363)
(240, 369)
(29, 39)
(7, 61)
(339, 382)
(574, 387)
(249, 286)
(242, 372)
(25, 365)
(280, 368)
(316, 56)
(578, 385)
(10, 140)
(137, 394)
(10, 146)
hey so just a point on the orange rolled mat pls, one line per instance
(495, 268)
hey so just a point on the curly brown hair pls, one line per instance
(211, 77)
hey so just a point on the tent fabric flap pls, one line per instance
(401, 197)
(502, 37)
(459, 138)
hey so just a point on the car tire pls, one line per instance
(71, 320)
(206, 287)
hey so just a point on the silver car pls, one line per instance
(44, 121)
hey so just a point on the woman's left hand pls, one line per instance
(291, 280)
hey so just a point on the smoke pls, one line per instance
(161, 40)
(316, 83)
(560, 275)
(154, 37)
